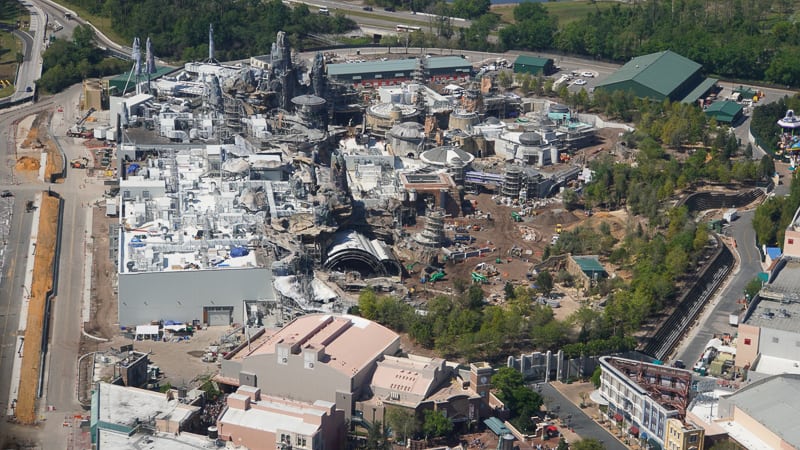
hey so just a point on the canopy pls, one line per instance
(146, 330)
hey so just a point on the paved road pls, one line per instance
(582, 424)
(61, 365)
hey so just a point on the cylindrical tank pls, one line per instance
(395, 115)
(506, 442)
(212, 432)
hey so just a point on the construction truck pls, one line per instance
(79, 163)
(78, 130)
(515, 216)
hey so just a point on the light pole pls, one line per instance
(26, 291)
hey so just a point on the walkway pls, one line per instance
(580, 424)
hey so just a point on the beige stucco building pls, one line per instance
(314, 357)
(266, 422)
(680, 436)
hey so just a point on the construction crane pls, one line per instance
(77, 130)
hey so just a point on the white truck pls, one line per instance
(730, 215)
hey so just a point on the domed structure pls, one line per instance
(447, 156)
(406, 139)
(530, 138)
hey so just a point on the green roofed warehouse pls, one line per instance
(659, 76)
(725, 111)
(533, 65)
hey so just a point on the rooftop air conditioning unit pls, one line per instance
(285, 360)
(310, 365)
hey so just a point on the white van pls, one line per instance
(324, 11)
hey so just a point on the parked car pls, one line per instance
(368, 8)
(6, 194)
(579, 82)
(587, 74)
(389, 9)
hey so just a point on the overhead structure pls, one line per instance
(352, 251)
(211, 59)
(433, 233)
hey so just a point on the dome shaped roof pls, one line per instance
(530, 138)
(407, 130)
(491, 120)
(446, 156)
(558, 108)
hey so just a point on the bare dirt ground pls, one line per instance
(103, 322)
(41, 284)
(33, 139)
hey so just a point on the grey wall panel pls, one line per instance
(181, 295)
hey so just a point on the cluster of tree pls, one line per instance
(774, 215)
(744, 39)
(178, 29)
(522, 402)
(533, 28)
(595, 347)
(68, 62)
(464, 326)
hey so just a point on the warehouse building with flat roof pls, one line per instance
(660, 76)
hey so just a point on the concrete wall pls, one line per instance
(755, 427)
(181, 295)
(293, 380)
(791, 243)
(779, 343)
(746, 353)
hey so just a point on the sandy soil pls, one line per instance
(42, 283)
(104, 297)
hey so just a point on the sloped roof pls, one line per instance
(662, 72)
(394, 65)
(724, 108)
(531, 60)
(589, 264)
(447, 62)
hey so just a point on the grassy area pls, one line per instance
(9, 47)
(101, 23)
(565, 11)
(10, 12)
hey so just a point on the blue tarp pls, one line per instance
(237, 252)
(774, 252)
(132, 168)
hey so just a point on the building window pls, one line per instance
(693, 439)
(300, 441)
(791, 241)
(775, 340)
(746, 341)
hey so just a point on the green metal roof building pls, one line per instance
(379, 72)
(449, 67)
(533, 65)
(725, 111)
(117, 84)
(659, 76)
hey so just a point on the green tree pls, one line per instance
(403, 422)
(544, 281)
(753, 287)
(588, 444)
(596, 375)
(436, 424)
(376, 437)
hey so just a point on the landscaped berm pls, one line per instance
(42, 283)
